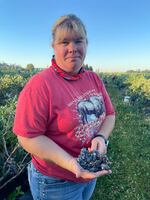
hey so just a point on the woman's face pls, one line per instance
(70, 51)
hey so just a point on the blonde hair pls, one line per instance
(69, 23)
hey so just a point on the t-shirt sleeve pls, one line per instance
(32, 110)
(108, 104)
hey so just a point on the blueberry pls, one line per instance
(93, 161)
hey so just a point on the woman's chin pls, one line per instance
(73, 70)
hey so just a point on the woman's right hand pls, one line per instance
(80, 172)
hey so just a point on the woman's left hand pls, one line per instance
(80, 172)
(98, 144)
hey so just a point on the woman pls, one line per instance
(61, 110)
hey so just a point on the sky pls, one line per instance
(118, 32)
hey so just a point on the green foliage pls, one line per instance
(117, 79)
(15, 194)
(7, 139)
(30, 66)
(13, 158)
(136, 85)
(10, 86)
(128, 151)
(87, 67)
(12, 80)
(6, 121)
(139, 84)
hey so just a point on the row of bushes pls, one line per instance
(135, 85)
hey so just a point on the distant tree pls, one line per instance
(131, 71)
(90, 68)
(87, 67)
(30, 66)
(139, 71)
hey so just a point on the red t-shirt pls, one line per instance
(69, 112)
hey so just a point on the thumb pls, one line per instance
(77, 170)
(93, 146)
(78, 174)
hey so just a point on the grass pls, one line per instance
(129, 152)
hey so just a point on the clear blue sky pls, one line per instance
(118, 31)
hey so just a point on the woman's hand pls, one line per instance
(80, 172)
(98, 144)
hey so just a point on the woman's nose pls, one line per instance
(72, 47)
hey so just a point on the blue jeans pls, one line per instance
(49, 188)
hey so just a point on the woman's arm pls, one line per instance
(98, 143)
(107, 126)
(46, 149)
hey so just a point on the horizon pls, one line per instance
(97, 70)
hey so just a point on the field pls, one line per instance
(129, 146)
(129, 151)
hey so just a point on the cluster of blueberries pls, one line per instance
(93, 161)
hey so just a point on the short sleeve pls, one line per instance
(32, 110)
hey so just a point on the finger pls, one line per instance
(78, 174)
(94, 146)
(103, 173)
(83, 173)
(102, 149)
(90, 175)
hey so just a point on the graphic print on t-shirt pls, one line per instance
(91, 112)
(90, 109)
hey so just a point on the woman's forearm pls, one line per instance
(107, 126)
(46, 149)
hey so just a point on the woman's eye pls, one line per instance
(65, 42)
(79, 41)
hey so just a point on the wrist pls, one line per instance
(106, 141)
